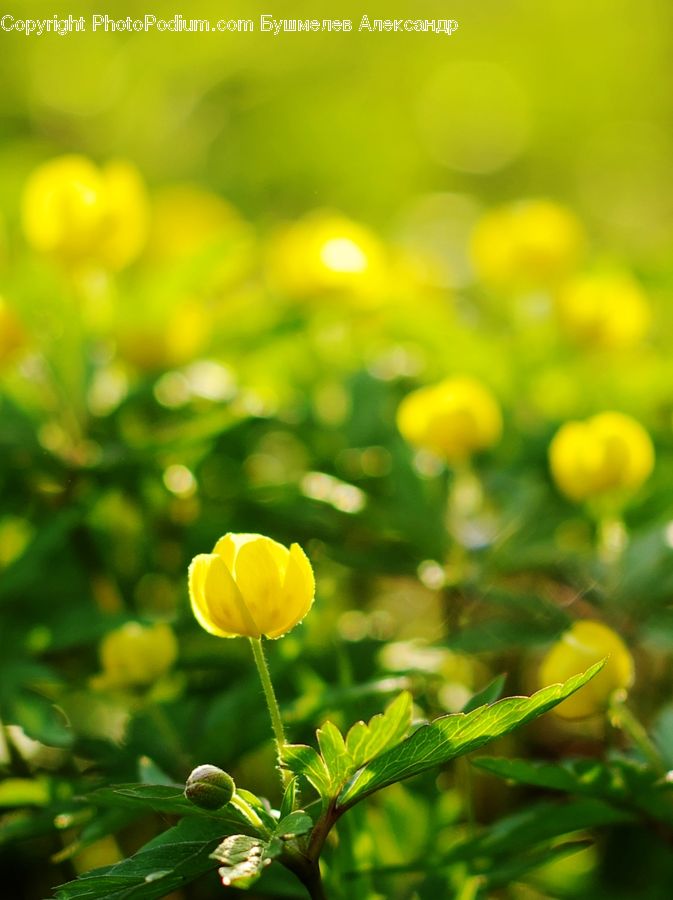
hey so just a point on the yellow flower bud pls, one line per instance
(585, 643)
(604, 310)
(136, 655)
(607, 453)
(453, 419)
(251, 586)
(526, 244)
(80, 213)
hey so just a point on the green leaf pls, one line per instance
(40, 719)
(294, 825)
(489, 694)
(334, 753)
(167, 863)
(244, 858)
(455, 735)
(620, 782)
(290, 798)
(520, 833)
(384, 731)
(163, 798)
(340, 758)
(301, 759)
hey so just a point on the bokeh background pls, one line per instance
(301, 233)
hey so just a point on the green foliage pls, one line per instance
(452, 736)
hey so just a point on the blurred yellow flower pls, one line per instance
(604, 310)
(326, 252)
(526, 244)
(187, 219)
(251, 586)
(585, 643)
(156, 339)
(609, 452)
(136, 655)
(80, 213)
(12, 335)
(453, 419)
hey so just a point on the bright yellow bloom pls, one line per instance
(526, 244)
(251, 586)
(453, 419)
(604, 310)
(80, 213)
(585, 643)
(606, 453)
(136, 655)
(325, 253)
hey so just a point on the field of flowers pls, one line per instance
(336, 440)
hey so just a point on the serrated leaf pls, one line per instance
(301, 759)
(333, 751)
(384, 731)
(454, 735)
(244, 858)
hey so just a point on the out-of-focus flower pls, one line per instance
(83, 214)
(12, 335)
(136, 655)
(527, 244)
(587, 642)
(453, 419)
(158, 342)
(187, 219)
(604, 310)
(250, 586)
(209, 787)
(609, 452)
(326, 253)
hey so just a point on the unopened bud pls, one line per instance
(209, 787)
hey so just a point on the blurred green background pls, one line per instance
(298, 251)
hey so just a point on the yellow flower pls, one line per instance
(80, 213)
(251, 586)
(325, 253)
(604, 310)
(606, 453)
(526, 244)
(453, 419)
(136, 655)
(585, 643)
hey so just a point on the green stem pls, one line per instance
(272, 704)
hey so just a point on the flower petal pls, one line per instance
(259, 572)
(297, 594)
(216, 601)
